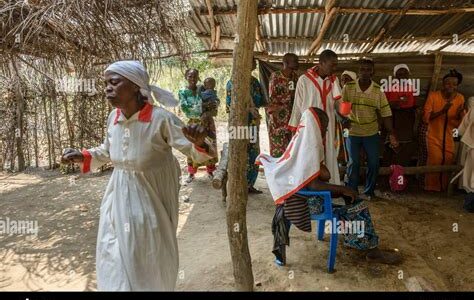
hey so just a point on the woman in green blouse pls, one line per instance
(191, 104)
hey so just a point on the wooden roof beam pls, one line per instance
(361, 41)
(346, 10)
(259, 55)
(212, 21)
(453, 41)
(330, 13)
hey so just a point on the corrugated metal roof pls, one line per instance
(302, 28)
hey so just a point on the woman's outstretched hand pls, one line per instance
(195, 134)
(71, 156)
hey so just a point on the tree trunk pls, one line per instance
(237, 205)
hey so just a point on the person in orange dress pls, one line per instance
(443, 112)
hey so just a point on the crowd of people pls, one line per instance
(315, 122)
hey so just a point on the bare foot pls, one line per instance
(383, 257)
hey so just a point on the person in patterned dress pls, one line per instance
(281, 96)
(253, 148)
(190, 100)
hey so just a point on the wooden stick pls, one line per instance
(330, 13)
(213, 24)
(221, 172)
(436, 70)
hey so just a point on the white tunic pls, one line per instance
(308, 95)
(136, 245)
(466, 130)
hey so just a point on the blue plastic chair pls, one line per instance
(321, 219)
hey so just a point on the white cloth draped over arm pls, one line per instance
(171, 131)
(96, 157)
(296, 112)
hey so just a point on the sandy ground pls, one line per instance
(62, 254)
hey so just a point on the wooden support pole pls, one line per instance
(330, 13)
(238, 190)
(437, 69)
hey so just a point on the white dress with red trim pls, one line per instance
(314, 91)
(299, 164)
(137, 247)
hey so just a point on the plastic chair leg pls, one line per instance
(332, 252)
(321, 224)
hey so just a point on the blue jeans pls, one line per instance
(371, 147)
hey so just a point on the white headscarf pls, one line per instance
(398, 67)
(351, 74)
(135, 72)
(470, 103)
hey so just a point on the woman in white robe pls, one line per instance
(466, 130)
(136, 245)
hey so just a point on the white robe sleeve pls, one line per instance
(171, 132)
(96, 157)
(296, 112)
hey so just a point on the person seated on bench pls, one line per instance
(302, 167)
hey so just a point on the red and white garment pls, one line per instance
(299, 164)
(314, 91)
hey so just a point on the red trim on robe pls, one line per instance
(291, 128)
(86, 163)
(202, 150)
(145, 113)
(117, 115)
(282, 199)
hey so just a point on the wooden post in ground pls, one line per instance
(237, 204)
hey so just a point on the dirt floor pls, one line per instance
(62, 255)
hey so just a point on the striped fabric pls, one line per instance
(297, 212)
(364, 108)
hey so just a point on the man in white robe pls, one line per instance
(137, 248)
(320, 88)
